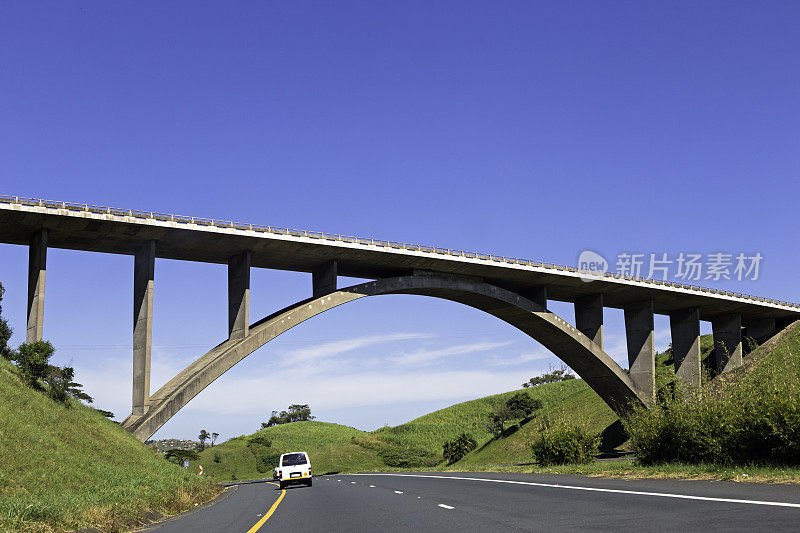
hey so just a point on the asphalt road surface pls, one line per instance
(436, 501)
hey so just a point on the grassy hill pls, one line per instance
(335, 448)
(329, 445)
(71, 468)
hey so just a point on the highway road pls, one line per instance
(436, 501)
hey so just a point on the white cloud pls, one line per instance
(331, 348)
(521, 359)
(428, 357)
(354, 390)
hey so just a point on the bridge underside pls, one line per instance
(582, 354)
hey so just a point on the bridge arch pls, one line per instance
(565, 341)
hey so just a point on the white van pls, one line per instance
(294, 467)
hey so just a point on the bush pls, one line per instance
(407, 457)
(217, 457)
(33, 360)
(521, 405)
(459, 447)
(263, 440)
(266, 457)
(750, 418)
(178, 456)
(565, 443)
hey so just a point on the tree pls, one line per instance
(62, 386)
(497, 420)
(521, 405)
(204, 435)
(455, 449)
(5, 331)
(295, 413)
(33, 361)
(178, 456)
(561, 374)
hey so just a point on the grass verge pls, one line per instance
(65, 468)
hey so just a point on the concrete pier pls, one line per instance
(589, 317)
(143, 278)
(323, 278)
(239, 295)
(684, 326)
(641, 356)
(37, 266)
(536, 294)
(727, 332)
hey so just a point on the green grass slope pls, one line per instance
(430, 431)
(70, 468)
(329, 445)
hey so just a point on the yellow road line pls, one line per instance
(261, 522)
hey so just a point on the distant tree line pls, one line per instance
(295, 413)
(561, 374)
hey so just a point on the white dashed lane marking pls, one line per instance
(598, 489)
(398, 492)
(372, 486)
(443, 506)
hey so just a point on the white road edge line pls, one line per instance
(443, 506)
(596, 489)
(398, 492)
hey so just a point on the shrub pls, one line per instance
(266, 457)
(739, 419)
(217, 457)
(33, 360)
(521, 405)
(263, 440)
(178, 456)
(407, 457)
(565, 443)
(459, 447)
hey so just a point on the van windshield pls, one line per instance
(292, 459)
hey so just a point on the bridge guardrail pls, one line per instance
(180, 219)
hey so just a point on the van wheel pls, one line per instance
(309, 483)
(282, 485)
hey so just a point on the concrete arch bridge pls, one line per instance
(514, 290)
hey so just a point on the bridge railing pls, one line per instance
(180, 219)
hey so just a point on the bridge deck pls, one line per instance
(120, 231)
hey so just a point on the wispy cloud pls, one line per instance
(521, 359)
(332, 348)
(426, 357)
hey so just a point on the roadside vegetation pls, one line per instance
(747, 417)
(65, 468)
(64, 465)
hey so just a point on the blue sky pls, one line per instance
(528, 129)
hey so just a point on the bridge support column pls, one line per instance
(589, 317)
(639, 335)
(684, 326)
(537, 295)
(37, 266)
(323, 278)
(143, 278)
(239, 295)
(727, 332)
(758, 332)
